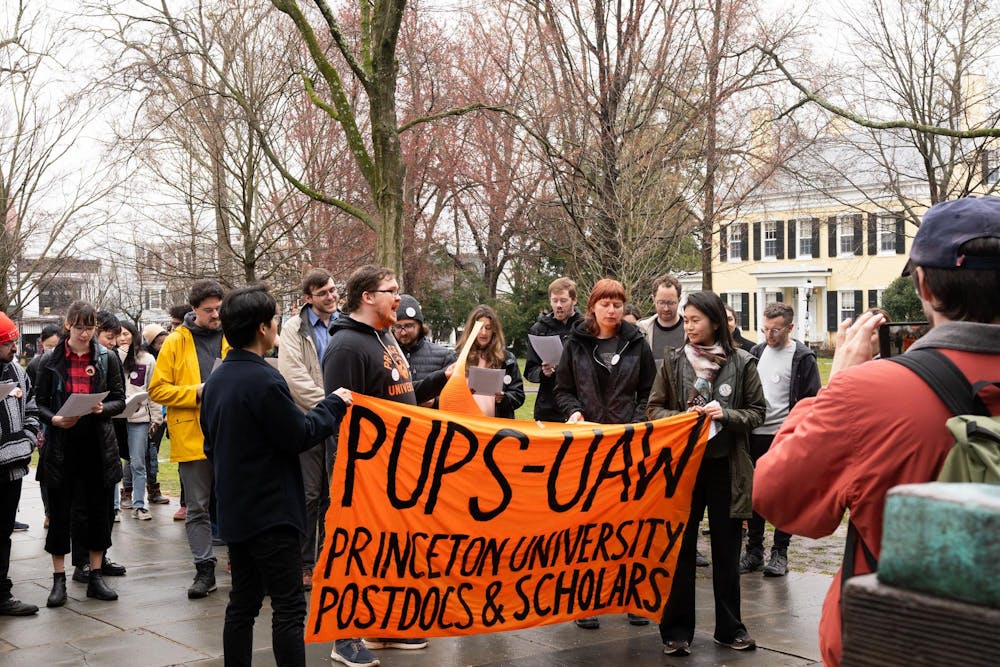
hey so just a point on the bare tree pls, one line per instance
(610, 108)
(207, 79)
(929, 66)
(50, 195)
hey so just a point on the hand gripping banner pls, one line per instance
(451, 524)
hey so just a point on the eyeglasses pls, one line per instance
(773, 332)
(394, 292)
(408, 326)
(77, 328)
(666, 304)
(322, 294)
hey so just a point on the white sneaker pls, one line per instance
(118, 516)
(142, 514)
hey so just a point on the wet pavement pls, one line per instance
(153, 623)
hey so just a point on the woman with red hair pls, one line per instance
(605, 373)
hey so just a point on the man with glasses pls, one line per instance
(665, 329)
(423, 355)
(304, 338)
(788, 372)
(185, 362)
(364, 357)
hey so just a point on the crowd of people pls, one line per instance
(246, 421)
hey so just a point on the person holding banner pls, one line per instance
(80, 457)
(489, 351)
(364, 357)
(605, 373)
(254, 433)
(711, 376)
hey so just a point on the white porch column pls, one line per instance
(758, 319)
(803, 321)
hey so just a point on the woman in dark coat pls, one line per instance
(711, 376)
(605, 373)
(490, 351)
(80, 457)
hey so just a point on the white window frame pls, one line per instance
(992, 166)
(842, 312)
(736, 243)
(886, 231)
(735, 301)
(805, 235)
(770, 236)
(845, 224)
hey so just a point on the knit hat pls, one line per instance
(151, 331)
(8, 330)
(409, 309)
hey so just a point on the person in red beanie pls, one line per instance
(19, 428)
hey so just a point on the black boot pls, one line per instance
(14, 607)
(204, 580)
(57, 597)
(96, 588)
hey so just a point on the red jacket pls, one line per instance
(874, 426)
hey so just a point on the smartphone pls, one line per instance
(895, 338)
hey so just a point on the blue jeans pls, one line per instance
(138, 438)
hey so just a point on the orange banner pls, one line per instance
(443, 524)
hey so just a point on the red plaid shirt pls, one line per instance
(78, 379)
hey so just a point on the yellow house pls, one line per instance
(828, 260)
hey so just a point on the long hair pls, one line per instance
(605, 288)
(129, 361)
(492, 353)
(711, 305)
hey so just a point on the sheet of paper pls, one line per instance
(78, 405)
(713, 426)
(132, 405)
(6, 389)
(549, 348)
(486, 381)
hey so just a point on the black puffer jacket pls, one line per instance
(426, 357)
(50, 394)
(627, 389)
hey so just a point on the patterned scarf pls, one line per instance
(706, 362)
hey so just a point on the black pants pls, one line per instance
(317, 487)
(711, 490)
(271, 562)
(10, 496)
(79, 525)
(759, 444)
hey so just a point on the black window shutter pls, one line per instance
(815, 237)
(791, 240)
(857, 234)
(724, 244)
(779, 296)
(780, 228)
(873, 298)
(745, 312)
(745, 246)
(831, 311)
(756, 241)
(872, 234)
(859, 302)
(831, 225)
(900, 236)
(725, 298)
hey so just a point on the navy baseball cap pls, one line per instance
(947, 226)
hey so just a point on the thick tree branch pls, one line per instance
(458, 111)
(810, 96)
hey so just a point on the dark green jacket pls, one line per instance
(743, 410)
